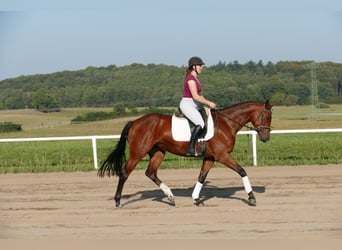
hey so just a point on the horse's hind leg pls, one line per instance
(117, 196)
(123, 176)
(156, 157)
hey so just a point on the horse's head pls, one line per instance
(262, 121)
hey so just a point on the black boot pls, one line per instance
(194, 136)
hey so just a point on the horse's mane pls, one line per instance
(238, 104)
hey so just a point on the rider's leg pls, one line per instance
(192, 145)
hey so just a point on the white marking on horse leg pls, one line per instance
(166, 190)
(197, 190)
(247, 184)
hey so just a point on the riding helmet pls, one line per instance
(195, 61)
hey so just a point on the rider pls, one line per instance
(192, 99)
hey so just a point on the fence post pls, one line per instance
(93, 139)
(254, 141)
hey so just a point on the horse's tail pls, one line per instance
(116, 159)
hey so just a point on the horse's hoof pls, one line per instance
(172, 200)
(199, 202)
(252, 202)
(118, 205)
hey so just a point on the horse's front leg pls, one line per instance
(206, 166)
(232, 164)
(248, 187)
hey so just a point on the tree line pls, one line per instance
(159, 85)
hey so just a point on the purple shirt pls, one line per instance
(186, 89)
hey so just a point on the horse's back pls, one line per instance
(152, 123)
(153, 118)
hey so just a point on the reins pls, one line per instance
(258, 129)
(227, 117)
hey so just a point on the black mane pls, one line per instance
(238, 104)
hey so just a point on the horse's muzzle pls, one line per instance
(264, 139)
(263, 133)
(264, 136)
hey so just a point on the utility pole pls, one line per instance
(315, 106)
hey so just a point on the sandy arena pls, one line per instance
(303, 202)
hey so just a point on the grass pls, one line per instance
(67, 156)
(305, 117)
(298, 149)
(45, 156)
(282, 149)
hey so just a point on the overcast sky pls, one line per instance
(38, 37)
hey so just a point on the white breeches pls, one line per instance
(190, 109)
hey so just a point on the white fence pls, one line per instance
(95, 137)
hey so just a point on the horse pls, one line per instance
(151, 134)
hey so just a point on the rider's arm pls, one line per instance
(197, 97)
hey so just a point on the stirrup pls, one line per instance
(193, 153)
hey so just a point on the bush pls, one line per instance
(334, 100)
(291, 100)
(6, 127)
(323, 105)
(94, 116)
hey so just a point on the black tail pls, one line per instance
(116, 159)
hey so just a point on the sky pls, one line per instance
(46, 36)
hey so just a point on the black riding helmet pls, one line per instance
(195, 61)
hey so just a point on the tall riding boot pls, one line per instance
(193, 139)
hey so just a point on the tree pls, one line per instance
(233, 94)
(251, 66)
(252, 92)
(301, 90)
(43, 100)
(291, 100)
(325, 90)
(119, 108)
(270, 69)
(161, 85)
(278, 98)
(268, 89)
(133, 109)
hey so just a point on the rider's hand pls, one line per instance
(212, 105)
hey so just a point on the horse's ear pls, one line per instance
(269, 105)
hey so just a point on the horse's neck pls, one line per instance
(237, 117)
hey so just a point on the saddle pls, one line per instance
(182, 127)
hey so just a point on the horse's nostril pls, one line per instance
(264, 138)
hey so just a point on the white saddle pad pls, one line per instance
(181, 129)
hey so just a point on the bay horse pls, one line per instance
(151, 134)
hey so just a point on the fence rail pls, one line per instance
(93, 138)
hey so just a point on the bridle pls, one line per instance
(257, 129)
(262, 117)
